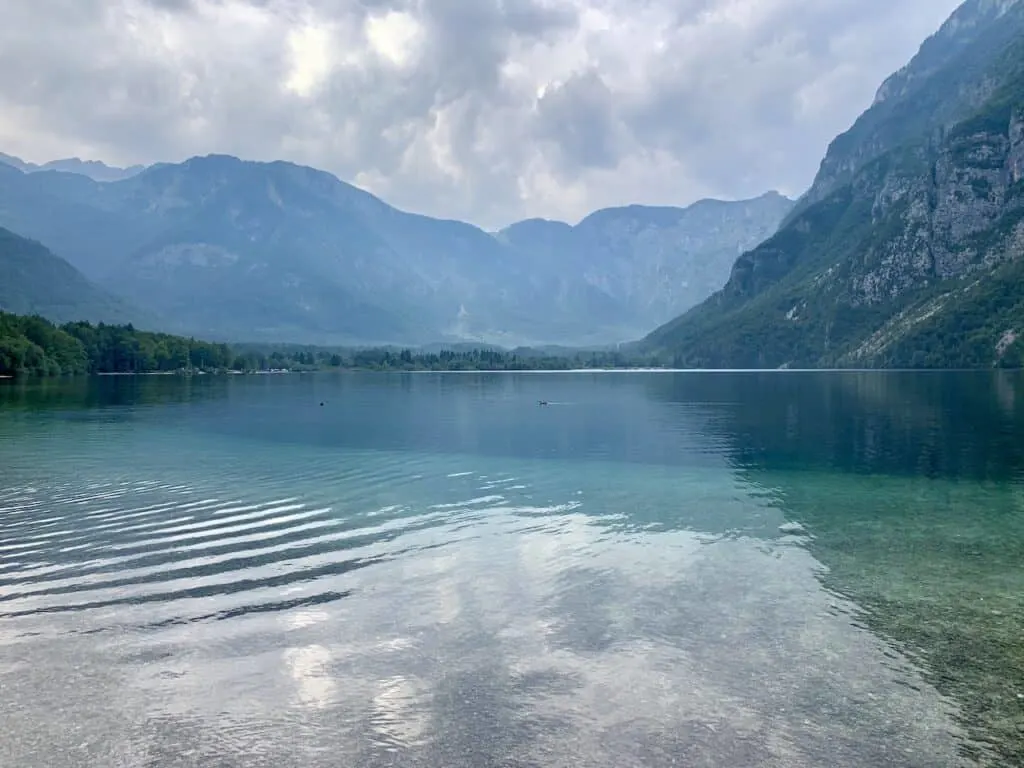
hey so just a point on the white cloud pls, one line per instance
(310, 50)
(488, 111)
(395, 36)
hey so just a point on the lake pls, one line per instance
(655, 569)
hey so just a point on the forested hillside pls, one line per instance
(31, 345)
(908, 249)
(35, 281)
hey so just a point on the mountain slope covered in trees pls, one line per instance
(908, 248)
(35, 281)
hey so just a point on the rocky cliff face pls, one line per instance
(945, 81)
(901, 252)
(946, 215)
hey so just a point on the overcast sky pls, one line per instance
(483, 110)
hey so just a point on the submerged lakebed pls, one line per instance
(791, 569)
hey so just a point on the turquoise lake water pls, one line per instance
(656, 569)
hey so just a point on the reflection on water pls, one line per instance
(431, 571)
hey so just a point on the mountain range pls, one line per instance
(907, 249)
(94, 169)
(237, 250)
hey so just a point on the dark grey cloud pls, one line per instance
(488, 110)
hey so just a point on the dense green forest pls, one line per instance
(33, 346)
(251, 358)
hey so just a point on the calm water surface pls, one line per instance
(780, 569)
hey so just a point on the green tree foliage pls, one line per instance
(977, 326)
(301, 358)
(30, 345)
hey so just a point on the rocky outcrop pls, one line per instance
(1015, 157)
(941, 217)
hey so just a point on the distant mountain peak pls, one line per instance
(281, 251)
(94, 169)
(536, 223)
(16, 162)
(224, 170)
(215, 159)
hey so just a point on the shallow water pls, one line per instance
(656, 569)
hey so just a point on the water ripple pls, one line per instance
(83, 549)
(259, 582)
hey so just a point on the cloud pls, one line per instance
(490, 110)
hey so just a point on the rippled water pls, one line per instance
(433, 570)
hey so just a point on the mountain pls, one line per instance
(94, 169)
(908, 250)
(230, 249)
(652, 262)
(34, 281)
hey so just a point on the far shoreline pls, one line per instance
(536, 371)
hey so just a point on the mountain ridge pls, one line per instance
(876, 263)
(93, 169)
(904, 102)
(283, 252)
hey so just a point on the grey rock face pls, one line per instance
(941, 85)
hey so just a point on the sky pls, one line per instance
(487, 111)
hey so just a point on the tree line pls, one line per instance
(34, 346)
